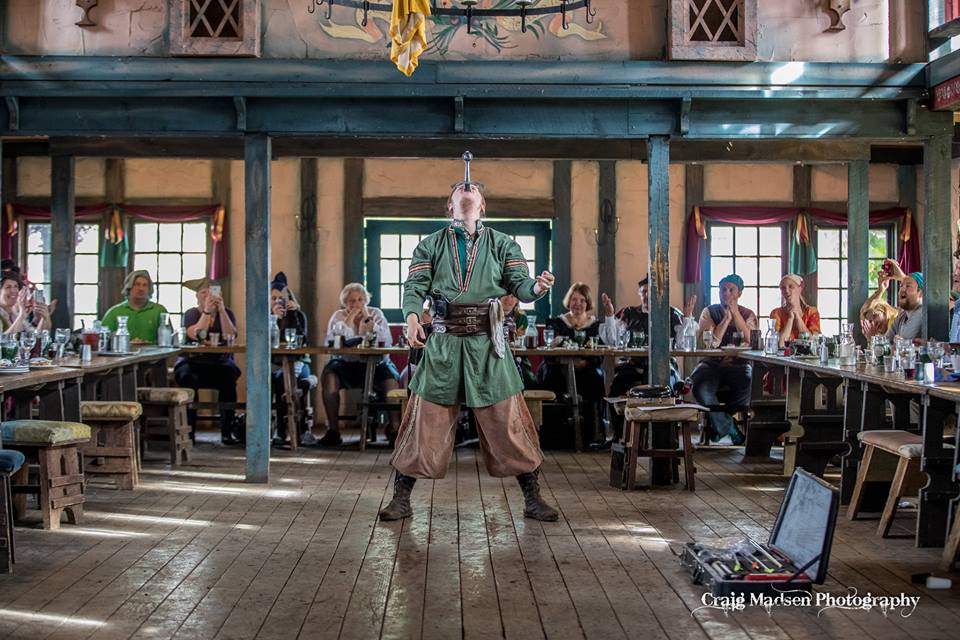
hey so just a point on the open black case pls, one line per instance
(799, 543)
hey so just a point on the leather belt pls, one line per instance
(464, 320)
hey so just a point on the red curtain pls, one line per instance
(908, 256)
(153, 213)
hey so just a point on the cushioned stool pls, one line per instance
(889, 455)
(10, 463)
(55, 448)
(164, 420)
(112, 450)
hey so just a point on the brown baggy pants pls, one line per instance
(508, 438)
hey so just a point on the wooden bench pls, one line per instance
(112, 449)
(889, 456)
(10, 462)
(54, 448)
(164, 420)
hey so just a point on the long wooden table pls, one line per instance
(867, 390)
(117, 377)
(57, 387)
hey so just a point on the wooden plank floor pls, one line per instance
(197, 553)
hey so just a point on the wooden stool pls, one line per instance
(55, 448)
(112, 450)
(399, 395)
(10, 463)
(952, 547)
(639, 445)
(535, 399)
(893, 456)
(164, 420)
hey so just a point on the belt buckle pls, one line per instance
(471, 321)
(439, 328)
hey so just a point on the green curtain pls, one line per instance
(114, 255)
(803, 256)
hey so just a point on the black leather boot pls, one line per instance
(399, 507)
(533, 505)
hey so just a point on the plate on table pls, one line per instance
(6, 366)
(41, 363)
(117, 354)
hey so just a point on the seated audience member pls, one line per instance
(284, 305)
(630, 372)
(731, 325)
(143, 315)
(515, 324)
(794, 317)
(356, 319)
(19, 308)
(909, 320)
(552, 374)
(210, 370)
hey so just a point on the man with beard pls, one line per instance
(909, 321)
(465, 269)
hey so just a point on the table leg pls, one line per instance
(935, 498)
(370, 365)
(71, 400)
(290, 397)
(575, 402)
(791, 437)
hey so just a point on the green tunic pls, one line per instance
(455, 369)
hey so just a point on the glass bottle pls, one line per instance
(689, 336)
(274, 332)
(164, 331)
(530, 336)
(121, 338)
(771, 340)
(846, 348)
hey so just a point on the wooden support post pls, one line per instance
(693, 197)
(63, 240)
(561, 230)
(111, 278)
(937, 236)
(353, 220)
(308, 245)
(858, 241)
(257, 154)
(607, 228)
(658, 181)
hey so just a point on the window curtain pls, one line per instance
(114, 250)
(802, 253)
(187, 213)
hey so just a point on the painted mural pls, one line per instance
(346, 34)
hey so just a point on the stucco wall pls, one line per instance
(413, 177)
(748, 183)
(33, 177)
(829, 183)
(876, 30)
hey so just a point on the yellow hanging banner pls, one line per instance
(408, 33)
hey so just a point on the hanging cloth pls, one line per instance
(408, 33)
